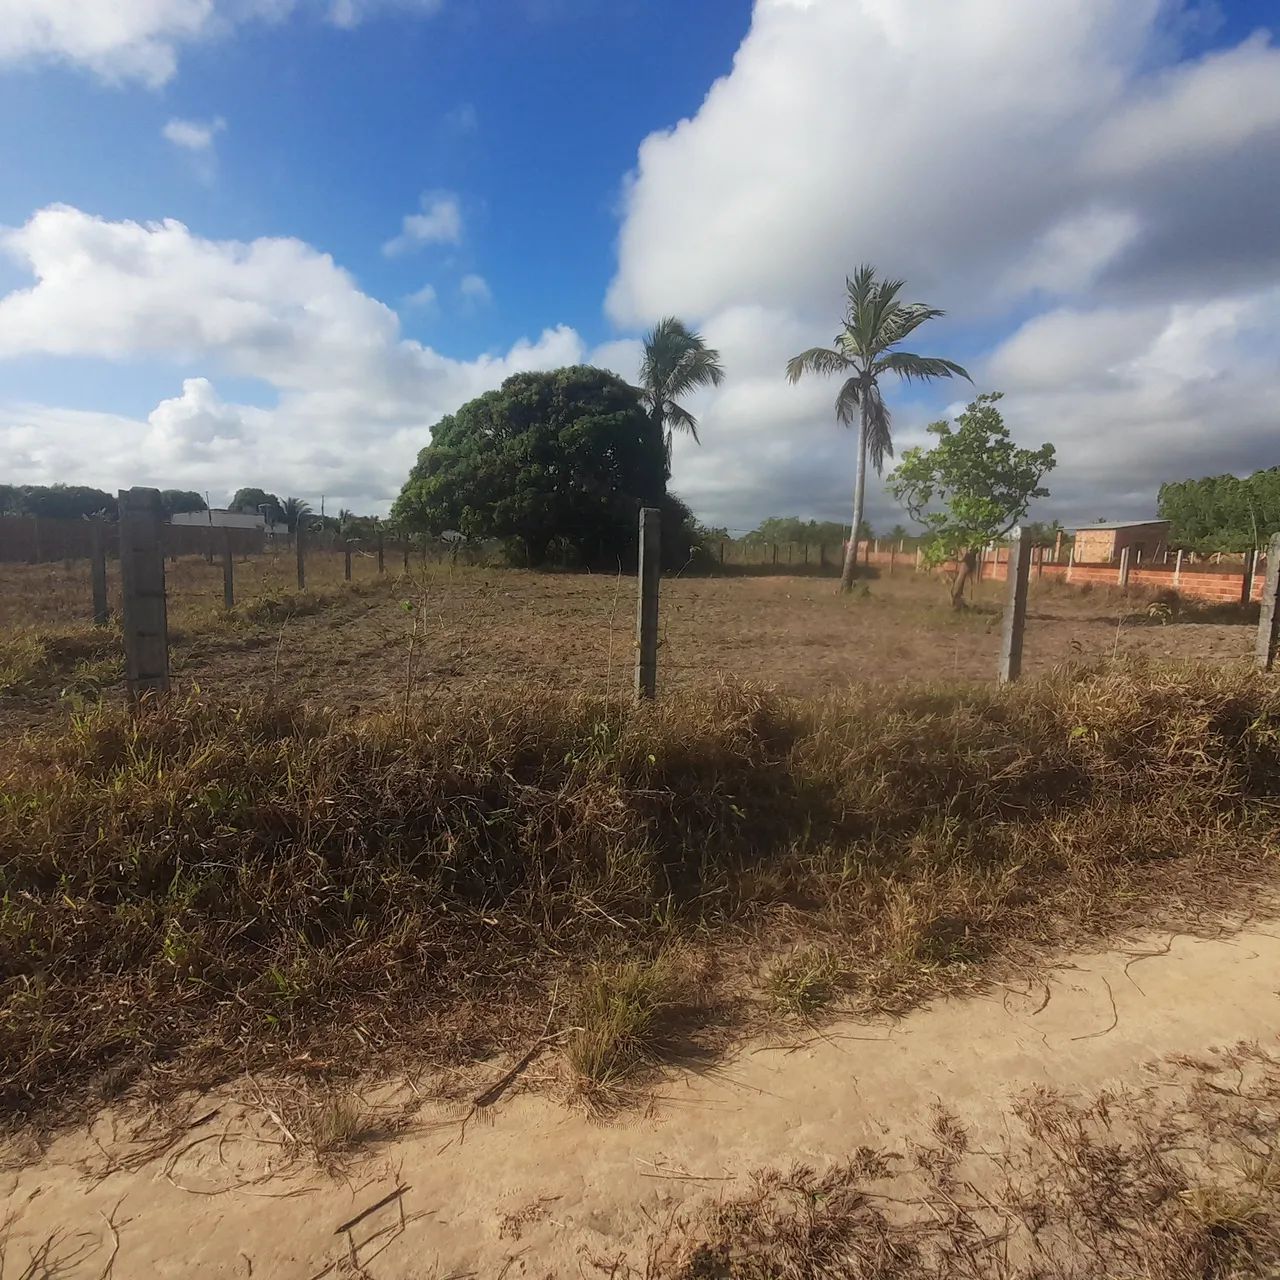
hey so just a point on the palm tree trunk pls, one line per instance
(859, 495)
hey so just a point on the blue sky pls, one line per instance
(210, 200)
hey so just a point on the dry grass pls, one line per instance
(1158, 1183)
(47, 642)
(216, 887)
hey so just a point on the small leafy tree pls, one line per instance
(970, 488)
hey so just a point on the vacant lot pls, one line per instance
(348, 645)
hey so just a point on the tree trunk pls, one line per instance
(859, 494)
(968, 563)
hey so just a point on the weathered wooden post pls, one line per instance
(346, 560)
(299, 539)
(1123, 577)
(228, 572)
(405, 548)
(648, 569)
(775, 555)
(98, 572)
(806, 553)
(382, 566)
(1269, 614)
(146, 621)
(1015, 609)
(822, 555)
(1246, 579)
(722, 553)
(893, 556)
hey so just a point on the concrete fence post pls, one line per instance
(299, 539)
(648, 569)
(1015, 610)
(228, 572)
(1177, 570)
(917, 559)
(146, 621)
(98, 572)
(1071, 562)
(1269, 614)
(1122, 578)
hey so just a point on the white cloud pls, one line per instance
(475, 290)
(440, 222)
(424, 297)
(193, 135)
(1041, 161)
(347, 400)
(124, 40)
(462, 119)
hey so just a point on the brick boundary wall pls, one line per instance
(1198, 582)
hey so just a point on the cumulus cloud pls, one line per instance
(193, 135)
(195, 139)
(139, 40)
(474, 289)
(424, 297)
(1050, 161)
(346, 400)
(440, 222)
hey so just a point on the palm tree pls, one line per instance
(874, 323)
(676, 362)
(293, 510)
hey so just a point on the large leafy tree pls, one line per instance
(970, 488)
(676, 362)
(875, 322)
(566, 456)
(177, 501)
(253, 500)
(60, 501)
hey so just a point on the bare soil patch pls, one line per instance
(1114, 1115)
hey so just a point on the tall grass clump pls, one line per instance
(215, 886)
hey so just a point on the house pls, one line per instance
(231, 520)
(221, 519)
(1147, 540)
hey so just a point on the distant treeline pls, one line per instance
(81, 502)
(784, 529)
(1222, 513)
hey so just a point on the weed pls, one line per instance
(619, 1018)
(804, 982)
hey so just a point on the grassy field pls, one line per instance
(348, 645)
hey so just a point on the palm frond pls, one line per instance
(848, 400)
(817, 360)
(879, 430)
(904, 320)
(680, 419)
(914, 368)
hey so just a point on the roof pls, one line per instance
(1118, 524)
